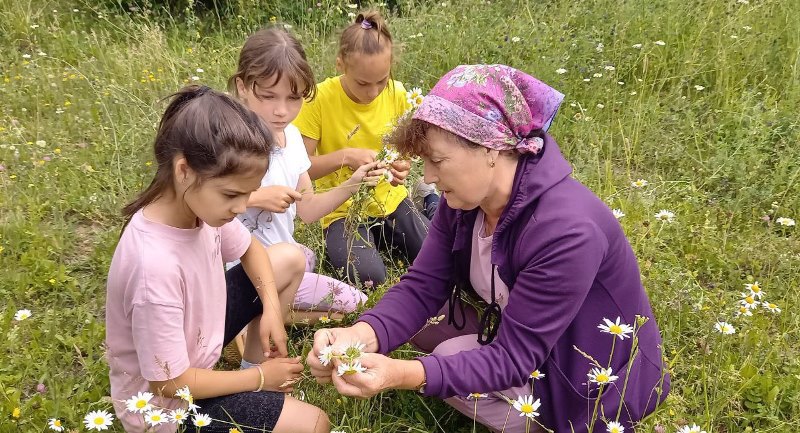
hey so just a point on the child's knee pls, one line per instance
(323, 423)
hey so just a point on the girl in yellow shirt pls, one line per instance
(342, 130)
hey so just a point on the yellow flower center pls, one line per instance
(526, 408)
(535, 373)
(614, 430)
(772, 306)
(755, 288)
(201, 422)
(57, 423)
(99, 420)
(615, 329)
(140, 404)
(602, 377)
(234, 430)
(749, 300)
(156, 417)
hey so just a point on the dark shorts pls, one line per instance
(247, 411)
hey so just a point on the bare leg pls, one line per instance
(300, 417)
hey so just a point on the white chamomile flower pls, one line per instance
(195, 78)
(515, 39)
(388, 176)
(476, 396)
(561, 71)
(139, 403)
(724, 328)
(414, 97)
(637, 46)
(610, 68)
(618, 213)
(614, 427)
(350, 368)
(21, 315)
(324, 319)
(639, 183)
(743, 311)
(55, 424)
(98, 420)
(178, 416)
(199, 70)
(620, 330)
(665, 216)
(755, 290)
(694, 428)
(748, 301)
(201, 420)
(660, 43)
(526, 406)
(354, 351)
(326, 355)
(155, 417)
(699, 88)
(772, 308)
(536, 374)
(786, 222)
(601, 375)
(184, 394)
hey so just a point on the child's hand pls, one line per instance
(399, 170)
(355, 157)
(280, 374)
(275, 198)
(369, 174)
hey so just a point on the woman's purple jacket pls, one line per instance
(568, 265)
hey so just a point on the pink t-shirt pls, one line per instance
(165, 306)
(480, 266)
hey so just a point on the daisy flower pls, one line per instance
(178, 416)
(348, 368)
(414, 97)
(755, 290)
(660, 43)
(620, 330)
(184, 394)
(744, 311)
(536, 374)
(724, 328)
(618, 213)
(699, 88)
(324, 319)
(561, 71)
(601, 376)
(139, 403)
(21, 315)
(354, 351)
(639, 183)
(201, 420)
(614, 427)
(98, 420)
(637, 46)
(665, 216)
(326, 355)
(155, 417)
(748, 301)
(476, 396)
(693, 429)
(788, 222)
(55, 424)
(772, 308)
(526, 406)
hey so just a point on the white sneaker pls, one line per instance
(420, 191)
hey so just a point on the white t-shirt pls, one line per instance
(285, 167)
(165, 306)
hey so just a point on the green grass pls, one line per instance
(76, 125)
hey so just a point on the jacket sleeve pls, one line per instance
(544, 300)
(421, 292)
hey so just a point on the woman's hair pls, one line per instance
(410, 137)
(271, 53)
(368, 35)
(217, 135)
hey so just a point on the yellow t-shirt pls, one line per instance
(331, 117)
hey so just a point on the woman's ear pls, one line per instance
(183, 174)
(240, 88)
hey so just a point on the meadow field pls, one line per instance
(687, 107)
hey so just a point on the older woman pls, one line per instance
(526, 264)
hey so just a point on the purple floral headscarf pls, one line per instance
(495, 106)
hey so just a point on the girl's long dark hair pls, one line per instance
(216, 134)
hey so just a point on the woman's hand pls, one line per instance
(280, 374)
(399, 170)
(339, 337)
(382, 373)
(274, 198)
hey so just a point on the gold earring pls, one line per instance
(491, 164)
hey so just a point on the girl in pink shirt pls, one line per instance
(168, 310)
